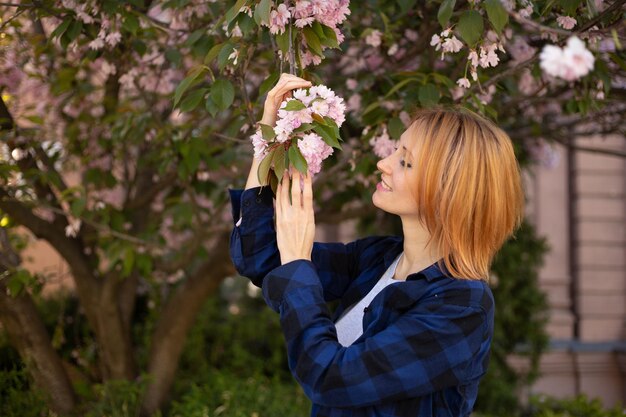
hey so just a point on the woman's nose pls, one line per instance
(381, 165)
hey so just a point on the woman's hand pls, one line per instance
(278, 94)
(275, 97)
(295, 222)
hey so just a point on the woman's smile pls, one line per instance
(382, 186)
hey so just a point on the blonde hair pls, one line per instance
(468, 187)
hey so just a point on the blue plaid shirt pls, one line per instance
(425, 342)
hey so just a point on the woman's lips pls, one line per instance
(382, 187)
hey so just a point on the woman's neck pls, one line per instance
(418, 251)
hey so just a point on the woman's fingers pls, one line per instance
(296, 200)
(307, 193)
(285, 191)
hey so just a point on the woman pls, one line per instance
(413, 328)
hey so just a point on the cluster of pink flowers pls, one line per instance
(330, 13)
(569, 63)
(447, 42)
(382, 145)
(566, 22)
(318, 100)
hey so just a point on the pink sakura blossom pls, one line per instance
(445, 42)
(383, 145)
(113, 38)
(452, 45)
(473, 58)
(488, 56)
(520, 50)
(314, 150)
(570, 63)
(463, 82)
(486, 97)
(96, 44)
(374, 39)
(436, 42)
(354, 103)
(527, 84)
(318, 100)
(351, 83)
(279, 19)
(405, 118)
(566, 22)
(260, 145)
(411, 35)
(307, 58)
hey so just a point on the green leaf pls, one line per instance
(264, 168)
(317, 28)
(282, 40)
(131, 23)
(280, 162)
(174, 56)
(15, 285)
(234, 11)
(60, 30)
(222, 57)
(471, 27)
(78, 206)
(267, 131)
(445, 12)
(570, 6)
(210, 106)
(213, 53)
(330, 37)
(396, 128)
(129, 261)
(327, 133)
(294, 105)
(262, 12)
(497, 14)
(312, 40)
(400, 85)
(371, 107)
(194, 37)
(296, 158)
(71, 33)
(193, 100)
(185, 84)
(406, 5)
(428, 95)
(269, 82)
(222, 93)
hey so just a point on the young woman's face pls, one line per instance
(394, 192)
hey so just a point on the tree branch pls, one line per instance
(29, 336)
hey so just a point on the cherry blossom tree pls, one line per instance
(122, 124)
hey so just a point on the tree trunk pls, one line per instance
(113, 336)
(176, 319)
(29, 336)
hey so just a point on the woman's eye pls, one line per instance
(403, 163)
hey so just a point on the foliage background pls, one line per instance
(88, 88)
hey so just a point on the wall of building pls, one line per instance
(580, 206)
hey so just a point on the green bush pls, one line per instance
(579, 406)
(546, 406)
(225, 394)
(519, 321)
(18, 396)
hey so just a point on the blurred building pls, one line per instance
(579, 204)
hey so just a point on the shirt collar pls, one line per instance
(429, 273)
